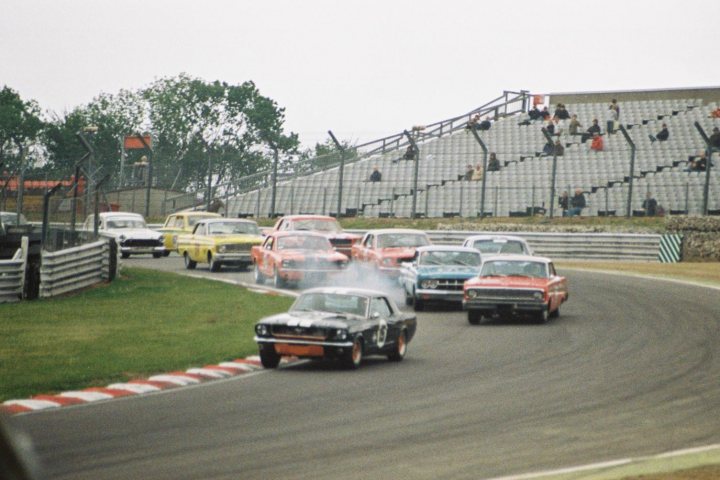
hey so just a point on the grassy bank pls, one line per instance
(145, 322)
(707, 273)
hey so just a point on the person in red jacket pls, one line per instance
(597, 143)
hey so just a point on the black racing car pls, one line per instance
(338, 323)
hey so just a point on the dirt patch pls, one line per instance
(710, 472)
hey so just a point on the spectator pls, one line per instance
(469, 170)
(485, 124)
(550, 126)
(410, 153)
(649, 205)
(592, 130)
(697, 163)
(534, 113)
(493, 163)
(561, 112)
(375, 176)
(613, 116)
(715, 113)
(577, 203)
(597, 143)
(558, 126)
(544, 114)
(547, 150)
(564, 202)
(715, 139)
(559, 150)
(473, 122)
(574, 126)
(478, 172)
(661, 136)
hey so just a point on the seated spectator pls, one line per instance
(661, 136)
(544, 114)
(375, 176)
(564, 202)
(549, 126)
(558, 126)
(469, 170)
(485, 124)
(478, 172)
(715, 139)
(574, 126)
(534, 113)
(410, 153)
(561, 112)
(649, 205)
(697, 163)
(493, 163)
(715, 113)
(592, 130)
(597, 143)
(559, 149)
(577, 203)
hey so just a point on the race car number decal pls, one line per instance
(382, 333)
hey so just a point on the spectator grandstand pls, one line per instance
(522, 185)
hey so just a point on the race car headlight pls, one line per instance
(429, 284)
(472, 293)
(341, 334)
(538, 296)
(261, 329)
(221, 248)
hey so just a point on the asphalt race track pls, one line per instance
(631, 368)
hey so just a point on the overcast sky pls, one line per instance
(364, 69)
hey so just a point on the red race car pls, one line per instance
(386, 248)
(328, 226)
(515, 285)
(294, 257)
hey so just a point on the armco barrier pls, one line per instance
(574, 246)
(12, 274)
(74, 268)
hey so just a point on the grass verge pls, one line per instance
(707, 273)
(143, 323)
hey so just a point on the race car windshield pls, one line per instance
(507, 268)
(125, 223)
(195, 219)
(441, 257)
(402, 240)
(498, 246)
(317, 225)
(233, 228)
(331, 303)
(304, 242)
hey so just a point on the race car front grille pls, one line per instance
(299, 333)
(237, 247)
(451, 284)
(505, 294)
(134, 242)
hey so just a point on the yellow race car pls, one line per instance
(180, 223)
(219, 241)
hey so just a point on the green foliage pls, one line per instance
(20, 125)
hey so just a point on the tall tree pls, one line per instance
(20, 126)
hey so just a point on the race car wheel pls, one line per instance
(189, 264)
(257, 274)
(269, 357)
(278, 281)
(125, 255)
(353, 357)
(474, 317)
(157, 254)
(419, 304)
(543, 316)
(555, 313)
(400, 348)
(409, 299)
(166, 253)
(214, 265)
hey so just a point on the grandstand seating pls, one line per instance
(523, 184)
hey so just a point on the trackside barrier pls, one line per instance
(670, 248)
(74, 268)
(12, 274)
(575, 246)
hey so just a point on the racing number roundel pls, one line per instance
(382, 333)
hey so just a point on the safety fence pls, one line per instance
(76, 268)
(12, 274)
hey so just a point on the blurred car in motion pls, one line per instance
(438, 273)
(515, 285)
(386, 249)
(294, 257)
(325, 225)
(179, 223)
(130, 231)
(346, 324)
(492, 244)
(218, 242)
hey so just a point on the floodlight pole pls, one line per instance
(708, 162)
(485, 155)
(554, 172)
(628, 209)
(46, 210)
(274, 180)
(416, 168)
(149, 174)
(341, 171)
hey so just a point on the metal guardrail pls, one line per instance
(74, 268)
(12, 274)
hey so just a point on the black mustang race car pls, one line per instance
(338, 323)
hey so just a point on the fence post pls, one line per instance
(708, 156)
(631, 176)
